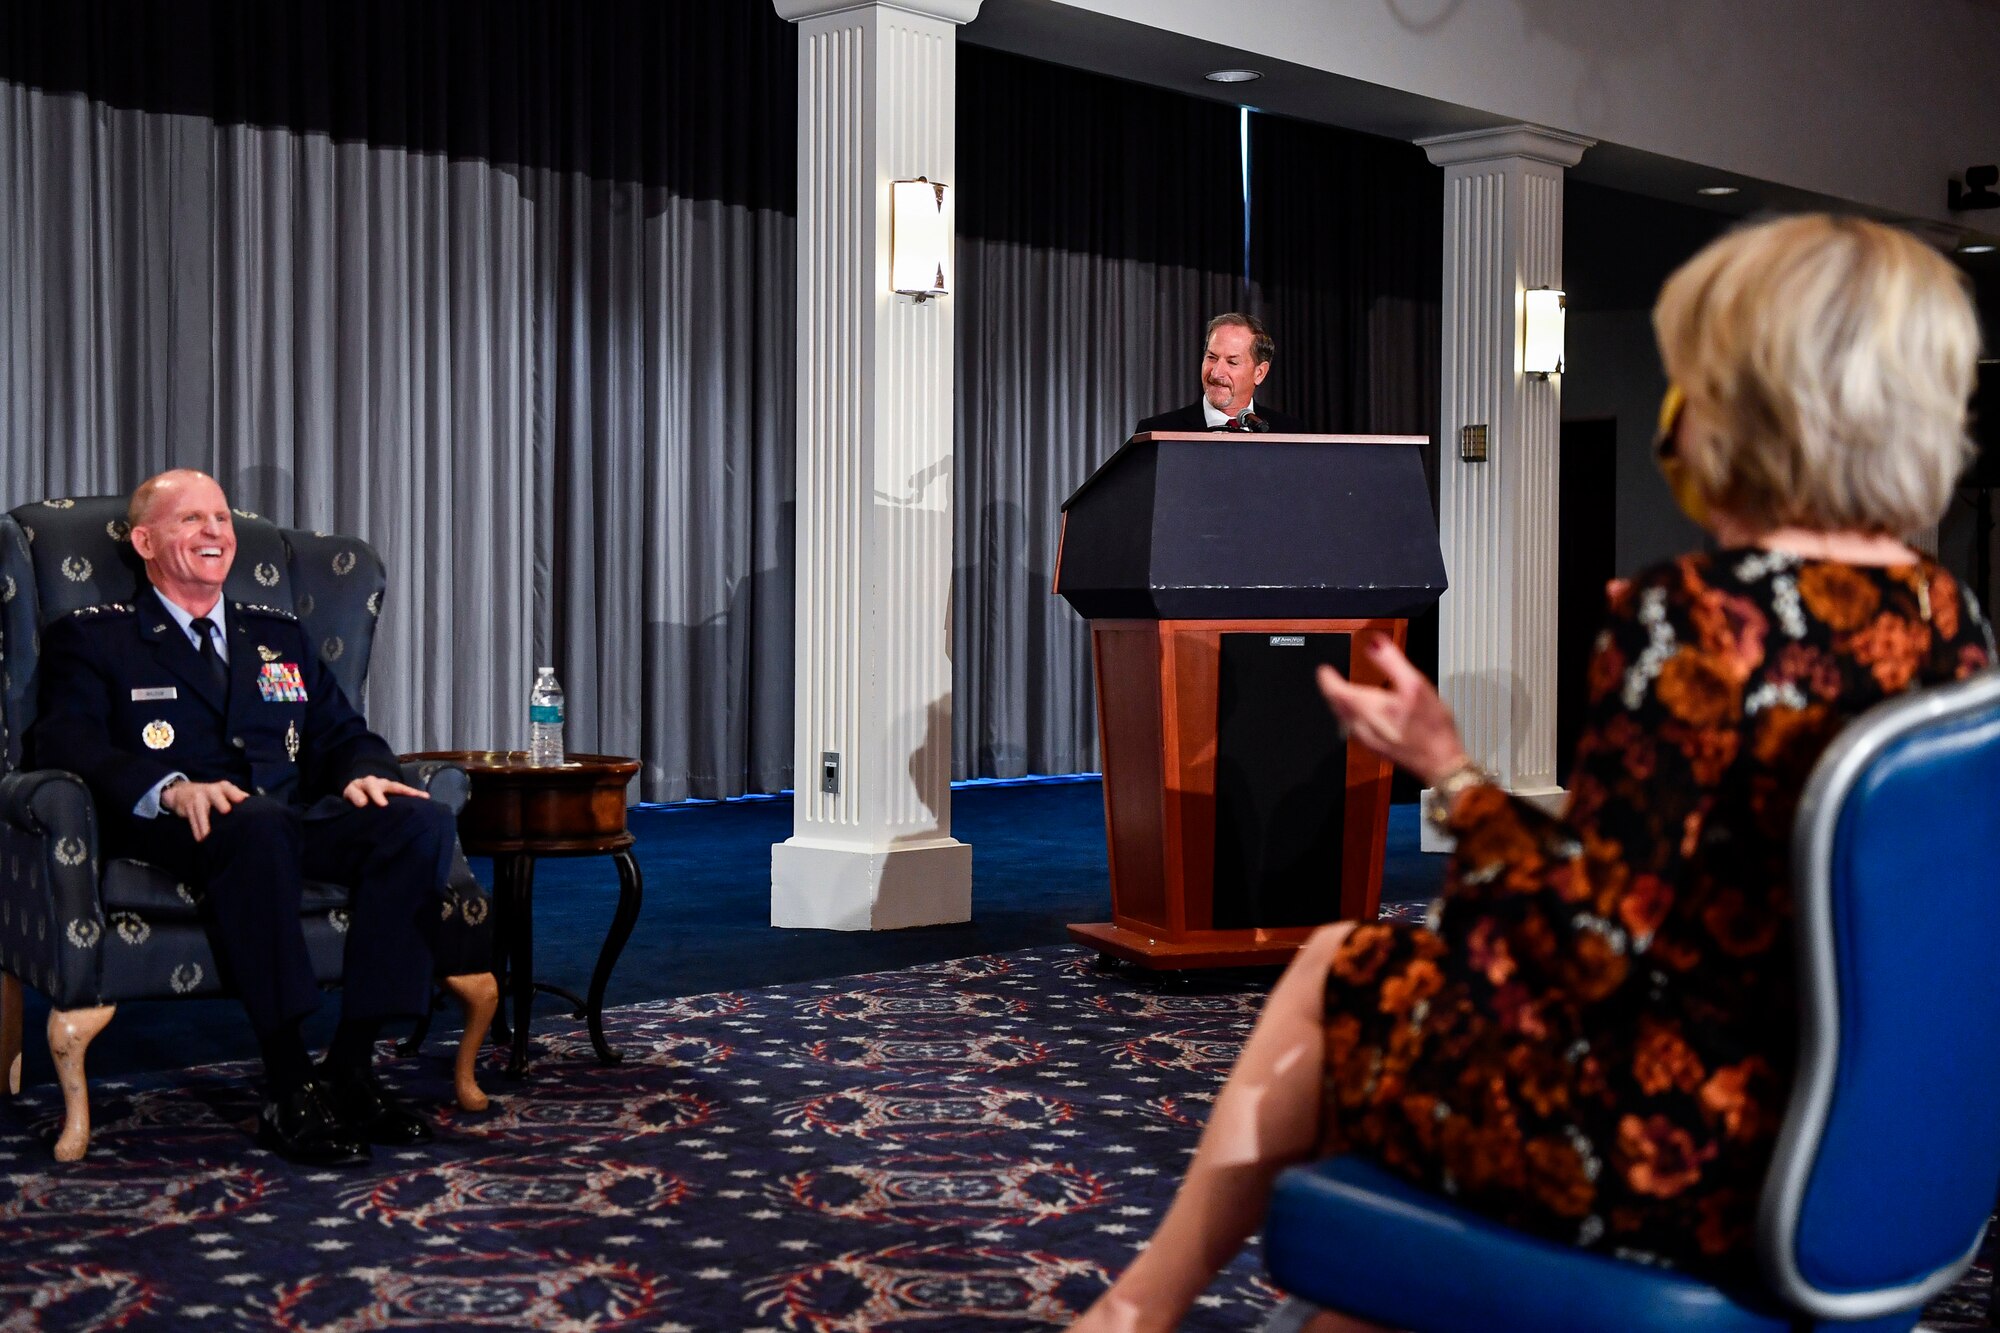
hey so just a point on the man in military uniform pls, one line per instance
(219, 748)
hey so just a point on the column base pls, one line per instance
(1431, 838)
(821, 886)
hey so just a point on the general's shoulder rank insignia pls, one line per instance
(292, 741)
(281, 683)
(158, 735)
(258, 608)
(267, 654)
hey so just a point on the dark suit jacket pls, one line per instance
(1191, 417)
(126, 700)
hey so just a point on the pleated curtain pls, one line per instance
(1100, 225)
(509, 291)
(506, 290)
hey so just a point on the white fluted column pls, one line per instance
(874, 552)
(1498, 520)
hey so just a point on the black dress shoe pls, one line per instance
(302, 1128)
(367, 1109)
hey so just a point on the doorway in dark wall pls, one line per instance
(1586, 560)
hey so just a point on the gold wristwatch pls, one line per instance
(1467, 774)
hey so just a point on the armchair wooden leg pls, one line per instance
(10, 1033)
(70, 1034)
(480, 994)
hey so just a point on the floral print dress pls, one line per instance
(1594, 1037)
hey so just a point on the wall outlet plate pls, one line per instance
(829, 772)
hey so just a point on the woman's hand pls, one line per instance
(1406, 723)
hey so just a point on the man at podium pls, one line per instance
(1235, 362)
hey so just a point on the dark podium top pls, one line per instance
(1228, 526)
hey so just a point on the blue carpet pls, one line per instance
(1038, 862)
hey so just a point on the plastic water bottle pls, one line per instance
(545, 720)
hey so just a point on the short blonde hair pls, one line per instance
(1827, 363)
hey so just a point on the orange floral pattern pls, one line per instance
(1596, 1041)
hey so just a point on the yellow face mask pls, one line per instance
(1666, 452)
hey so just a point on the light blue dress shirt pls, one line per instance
(149, 804)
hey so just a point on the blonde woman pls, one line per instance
(1595, 1038)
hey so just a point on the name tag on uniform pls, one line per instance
(279, 682)
(162, 692)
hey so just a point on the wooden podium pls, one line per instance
(1176, 544)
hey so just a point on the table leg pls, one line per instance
(521, 956)
(629, 893)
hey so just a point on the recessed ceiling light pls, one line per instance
(1716, 189)
(1980, 249)
(1232, 75)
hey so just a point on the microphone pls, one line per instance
(1245, 420)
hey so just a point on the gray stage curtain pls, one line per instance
(507, 291)
(1100, 225)
(1347, 265)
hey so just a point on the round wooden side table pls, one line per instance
(518, 812)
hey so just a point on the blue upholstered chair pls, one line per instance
(91, 933)
(1886, 1166)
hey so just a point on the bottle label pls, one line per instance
(545, 715)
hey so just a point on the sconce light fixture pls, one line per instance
(1542, 332)
(920, 238)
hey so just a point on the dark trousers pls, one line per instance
(393, 859)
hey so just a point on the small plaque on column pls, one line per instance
(1472, 444)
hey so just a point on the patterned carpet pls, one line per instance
(976, 1145)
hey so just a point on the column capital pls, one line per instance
(1534, 142)
(949, 11)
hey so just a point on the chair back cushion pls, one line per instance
(336, 588)
(1889, 1160)
(59, 555)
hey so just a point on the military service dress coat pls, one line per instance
(127, 700)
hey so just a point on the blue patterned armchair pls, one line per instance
(90, 933)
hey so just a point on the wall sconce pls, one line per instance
(920, 238)
(1542, 336)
